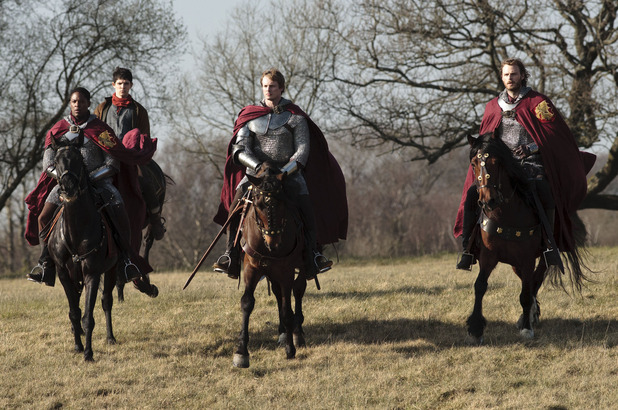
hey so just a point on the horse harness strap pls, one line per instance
(506, 232)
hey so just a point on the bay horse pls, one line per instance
(82, 248)
(510, 232)
(272, 241)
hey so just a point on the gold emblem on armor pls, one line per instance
(544, 112)
(106, 140)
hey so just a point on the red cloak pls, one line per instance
(565, 165)
(325, 180)
(134, 150)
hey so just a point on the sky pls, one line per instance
(204, 17)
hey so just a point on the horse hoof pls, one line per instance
(111, 340)
(474, 340)
(154, 292)
(78, 349)
(88, 358)
(241, 361)
(527, 334)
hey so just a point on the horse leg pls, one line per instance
(535, 309)
(476, 322)
(120, 287)
(300, 285)
(107, 301)
(287, 316)
(91, 286)
(74, 310)
(281, 329)
(247, 303)
(527, 300)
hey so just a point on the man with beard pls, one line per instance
(529, 124)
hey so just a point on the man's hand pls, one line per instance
(522, 151)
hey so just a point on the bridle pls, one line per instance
(275, 226)
(484, 175)
(81, 186)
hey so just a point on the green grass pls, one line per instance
(380, 335)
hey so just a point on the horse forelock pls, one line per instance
(496, 148)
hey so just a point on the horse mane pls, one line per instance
(495, 147)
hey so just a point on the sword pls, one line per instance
(223, 228)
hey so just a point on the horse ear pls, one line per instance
(471, 140)
(254, 180)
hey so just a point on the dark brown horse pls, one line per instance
(272, 240)
(510, 232)
(82, 249)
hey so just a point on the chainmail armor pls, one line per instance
(513, 134)
(94, 159)
(281, 145)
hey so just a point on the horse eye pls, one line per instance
(486, 155)
(487, 176)
(479, 155)
(480, 178)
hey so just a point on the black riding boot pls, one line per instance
(45, 271)
(229, 262)
(315, 262)
(126, 270)
(467, 259)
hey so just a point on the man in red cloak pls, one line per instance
(135, 149)
(323, 176)
(530, 124)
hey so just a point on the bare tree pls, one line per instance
(417, 74)
(58, 45)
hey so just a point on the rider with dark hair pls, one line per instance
(278, 131)
(104, 157)
(531, 126)
(123, 114)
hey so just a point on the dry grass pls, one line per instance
(380, 335)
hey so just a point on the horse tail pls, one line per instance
(575, 259)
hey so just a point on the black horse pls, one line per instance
(157, 181)
(81, 245)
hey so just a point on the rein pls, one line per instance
(271, 230)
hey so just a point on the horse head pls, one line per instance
(269, 204)
(72, 176)
(497, 174)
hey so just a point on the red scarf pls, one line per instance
(121, 102)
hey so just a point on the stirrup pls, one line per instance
(131, 271)
(322, 262)
(222, 265)
(40, 277)
(552, 257)
(465, 261)
(225, 265)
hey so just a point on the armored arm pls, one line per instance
(49, 157)
(107, 170)
(242, 153)
(301, 143)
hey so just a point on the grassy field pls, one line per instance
(388, 335)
